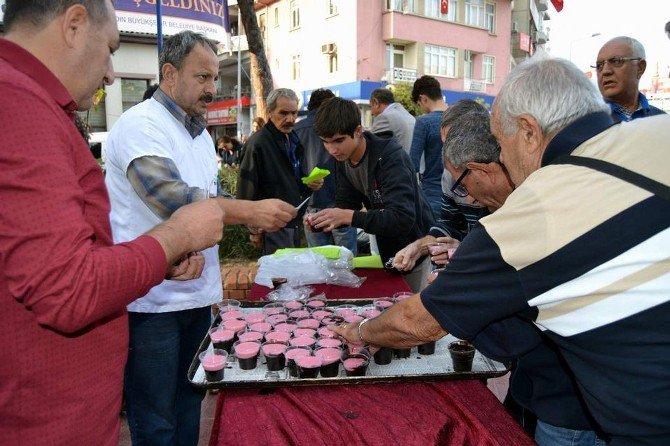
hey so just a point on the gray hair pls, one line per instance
(470, 140)
(280, 93)
(634, 44)
(41, 12)
(553, 91)
(460, 108)
(176, 48)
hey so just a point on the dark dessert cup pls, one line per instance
(247, 354)
(427, 348)
(356, 364)
(274, 356)
(462, 354)
(402, 353)
(222, 338)
(308, 366)
(291, 354)
(214, 364)
(330, 361)
(383, 356)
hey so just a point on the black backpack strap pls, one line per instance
(622, 173)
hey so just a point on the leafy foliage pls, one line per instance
(402, 93)
(235, 243)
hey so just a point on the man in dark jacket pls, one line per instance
(272, 167)
(376, 172)
(316, 155)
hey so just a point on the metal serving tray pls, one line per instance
(436, 367)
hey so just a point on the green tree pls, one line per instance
(402, 92)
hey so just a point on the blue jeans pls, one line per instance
(163, 408)
(343, 236)
(549, 435)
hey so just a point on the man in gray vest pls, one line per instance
(392, 117)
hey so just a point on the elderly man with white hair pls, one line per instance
(580, 249)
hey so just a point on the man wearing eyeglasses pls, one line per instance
(619, 66)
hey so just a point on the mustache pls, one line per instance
(207, 98)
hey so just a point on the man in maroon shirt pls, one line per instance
(64, 286)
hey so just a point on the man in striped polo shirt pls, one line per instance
(582, 254)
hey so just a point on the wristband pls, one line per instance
(360, 325)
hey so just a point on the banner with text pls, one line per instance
(208, 17)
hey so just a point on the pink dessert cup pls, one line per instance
(383, 303)
(286, 326)
(330, 361)
(236, 325)
(308, 322)
(316, 303)
(308, 366)
(298, 314)
(325, 332)
(278, 336)
(213, 363)
(273, 308)
(355, 364)
(250, 335)
(303, 341)
(247, 354)
(254, 318)
(292, 353)
(232, 314)
(304, 332)
(293, 305)
(263, 327)
(222, 338)
(321, 313)
(275, 319)
(274, 356)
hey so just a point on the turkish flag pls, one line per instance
(444, 6)
(558, 4)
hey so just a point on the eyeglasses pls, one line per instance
(459, 189)
(615, 62)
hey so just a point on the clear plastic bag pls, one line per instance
(306, 267)
(286, 292)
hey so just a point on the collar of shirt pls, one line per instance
(32, 67)
(583, 129)
(194, 125)
(624, 114)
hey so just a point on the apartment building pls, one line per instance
(355, 46)
(529, 32)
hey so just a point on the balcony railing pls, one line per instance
(476, 85)
(400, 75)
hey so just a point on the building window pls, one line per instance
(468, 67)
(433, 8)
(332, 7)
(491, 17)
(296, 67)
(439, 60)
(475, 13)
(95, 117)
(489, 69)
(395, 56)
(262, 25)
(400, 5)
(276, 16)
(132, 91)
(295, 14)
(332, 62)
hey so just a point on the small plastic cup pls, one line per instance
(222, 339)
(383, 303)
(402, 295)
(254, 318)
(250, 335)
(308, 322)
(232, 314)
(273, 308)
(308, 366)
(293, 305)
(304, 332)
(462, 353)
(263, 327)
(426, 349)
(274, 356)
(330, 361)
(292, 353)
(355, 364)
(278, 336)
(214, 364)
(237, 325)
(286, 326)
(303, 341)
(353, 318)
(322, 313)
(329, 342)
(316, 303)
(346, 310)
(330, 321)
(275, 319)
(299, 314)
(247, 354)
(369, 311)
(383, 356)
(325, 332)
(228, 305)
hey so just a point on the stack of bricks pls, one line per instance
(237, 281)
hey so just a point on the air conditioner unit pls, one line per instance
(329, 48)
(515, 27)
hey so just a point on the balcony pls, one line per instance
(474, 85)
(400, 75)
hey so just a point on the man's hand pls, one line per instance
(188, 268)
(272, 214)
(255, 236)
(405, 259)
(331, 218)
(441, 256)
(315, 185)
(191, 228)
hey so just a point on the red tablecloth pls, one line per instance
(379, 283)
(421, 414)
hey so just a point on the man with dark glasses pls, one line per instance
(620, 65)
